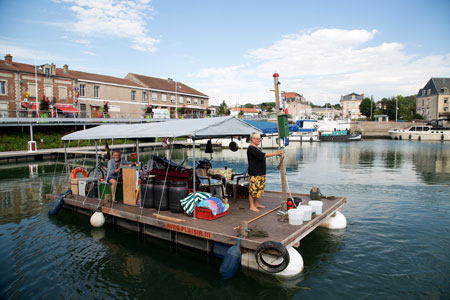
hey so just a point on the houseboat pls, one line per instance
(194, 226)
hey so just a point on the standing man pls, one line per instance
(257, 170)
(114, 172)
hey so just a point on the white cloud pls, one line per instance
(89, 53)
(18, 51)
(113, 18)
(323, 65)
(83, 42)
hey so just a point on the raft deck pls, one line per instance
(201, 234)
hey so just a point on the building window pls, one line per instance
(180, 99)
(164, 97)
(133, 95)
(445, 108)
(445, 100)
(96, 88)
(188, 100)
(62, 93)
(47, 72)
(423, 102)
(32, 90)
(144, 96)
(154, 97)
(172, 99)
(82, 90)
(2, 87)
(202, 101)
(195, 101)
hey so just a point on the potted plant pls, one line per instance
(105, 109)
(44, 106)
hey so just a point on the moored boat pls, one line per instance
(421, 132)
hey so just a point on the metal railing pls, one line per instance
(55, 117)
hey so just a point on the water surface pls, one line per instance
(396, 245)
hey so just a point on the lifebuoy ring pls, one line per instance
(133, 155)
(272, 249)
(78, 169)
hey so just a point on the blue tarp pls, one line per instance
(270, 127)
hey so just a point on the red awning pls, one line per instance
(68, 109)
(27, 105)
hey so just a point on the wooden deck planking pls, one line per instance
(221, 229)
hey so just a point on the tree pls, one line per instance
(365, 108)
(223, 108)
(249, 105)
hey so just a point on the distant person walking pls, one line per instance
(257, 170)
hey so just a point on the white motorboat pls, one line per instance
(421, 132)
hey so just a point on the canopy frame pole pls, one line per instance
(96, 169)
(139, 171)
(65, 159)
(282, 165)
(193, 180)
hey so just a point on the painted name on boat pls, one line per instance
(189, 230)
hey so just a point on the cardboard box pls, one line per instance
(74, 186)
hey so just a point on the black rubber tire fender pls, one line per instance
(273, 247)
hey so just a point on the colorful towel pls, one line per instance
(209, 204)
(191, 200)
(219, 203)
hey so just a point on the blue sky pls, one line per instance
(230, 49)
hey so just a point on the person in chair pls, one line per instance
(115, 173)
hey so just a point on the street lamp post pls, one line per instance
(396, 108)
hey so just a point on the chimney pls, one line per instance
(8, 59)
(66, 69)
(362, 95)
(53, 69)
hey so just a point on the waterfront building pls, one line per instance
(350, 106)
(297, 105)
(246, 111)
(85, 94)
(18, 88)
(326, 113)
(171, 94)
(433, 100)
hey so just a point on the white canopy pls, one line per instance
(194, 128)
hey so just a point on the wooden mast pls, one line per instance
(282, 166)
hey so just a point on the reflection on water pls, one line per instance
(397, 234)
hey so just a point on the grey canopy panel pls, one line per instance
(194, 128)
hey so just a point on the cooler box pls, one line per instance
(105, 189)
(87, 182)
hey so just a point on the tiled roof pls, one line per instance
(26, 68)
(102, 78)
(289, 95)
(163, 84)
(435, 85)
(350, 97)
(245, 109)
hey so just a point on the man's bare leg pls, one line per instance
(113, 189)
(252, 203)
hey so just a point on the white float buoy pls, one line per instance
(338, 221)
(98, 219)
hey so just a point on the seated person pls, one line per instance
(114, 172)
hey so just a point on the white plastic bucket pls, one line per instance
(307, 211)
(316, 206)
(295, 216)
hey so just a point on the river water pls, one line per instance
(396, 244)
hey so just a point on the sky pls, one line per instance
(230, 49)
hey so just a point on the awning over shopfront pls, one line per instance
(66, 108)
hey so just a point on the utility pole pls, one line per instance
(282, 166)
(396, 108)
